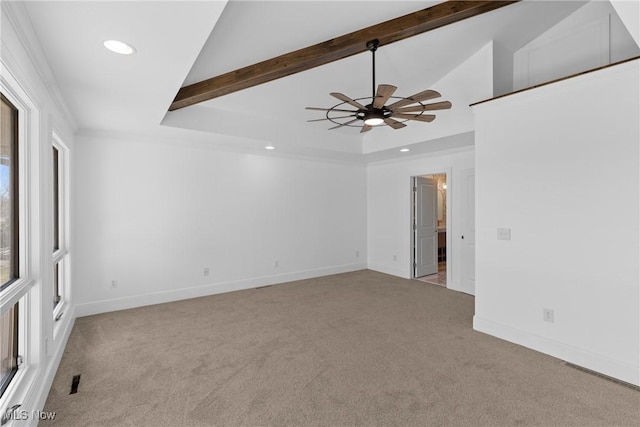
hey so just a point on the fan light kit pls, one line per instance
(376, 113)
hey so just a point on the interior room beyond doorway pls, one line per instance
(438, 182)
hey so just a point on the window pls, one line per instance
(56, 284)
(23, 338)
(9, 193)
(56, 225)
(56, 199)
(8, 346)
(60, 156)
(9, 240)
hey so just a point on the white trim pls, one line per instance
(63, 193)
(397, 272)
(28, 289)
(104, 306)
(35, 396)
(61, 256)
(13, 293)
(28, 148)
(575, 355)
(38, 395)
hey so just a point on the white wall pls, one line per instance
(389, 208)
(629, 13)
(152, 214)
(591, 37)
(559, 165)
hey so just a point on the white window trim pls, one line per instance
(27, 129)
(61, 256)
(25, 290)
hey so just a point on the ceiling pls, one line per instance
(182, 42)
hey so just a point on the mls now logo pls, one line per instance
(43, 416)
(23, 415)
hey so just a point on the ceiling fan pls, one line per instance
(376, 113)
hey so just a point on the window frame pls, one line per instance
(55, 173)
(61, 253)
(28, 123)
(24, 289)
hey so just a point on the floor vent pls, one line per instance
(606, 377)
(74, 384)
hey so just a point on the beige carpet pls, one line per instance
(356, 349)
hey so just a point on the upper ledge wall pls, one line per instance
(557, 80)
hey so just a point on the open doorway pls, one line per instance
(429, 224)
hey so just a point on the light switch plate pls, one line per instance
(504, 234)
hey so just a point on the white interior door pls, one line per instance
(468, 235)
(426, 227)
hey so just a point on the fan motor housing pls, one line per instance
(370, 113)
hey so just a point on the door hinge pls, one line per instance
(414, 227)
(414, 264)
(415, 189)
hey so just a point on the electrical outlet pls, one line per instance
(357, 254)
(547, 315)
(205, 271)
(114, 283)
(504, 234)
(276, 263)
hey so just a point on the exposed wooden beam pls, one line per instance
(341, 47)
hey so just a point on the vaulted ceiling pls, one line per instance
(182, 42)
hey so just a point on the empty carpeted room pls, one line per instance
(234, 213)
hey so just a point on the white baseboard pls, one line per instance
(391, 271)
(104, 306)
(578, 356)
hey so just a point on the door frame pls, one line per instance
(412, 252)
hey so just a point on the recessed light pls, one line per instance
(270, 147)
(119, 47)
(404, 150)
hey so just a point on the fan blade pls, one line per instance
(421, 96)
(383, 95)
(366, 128)
(419, 117)
(344, 124)
(348, 100)
(394, 123)
(332, 118)
(329, 109)
(444, 105)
